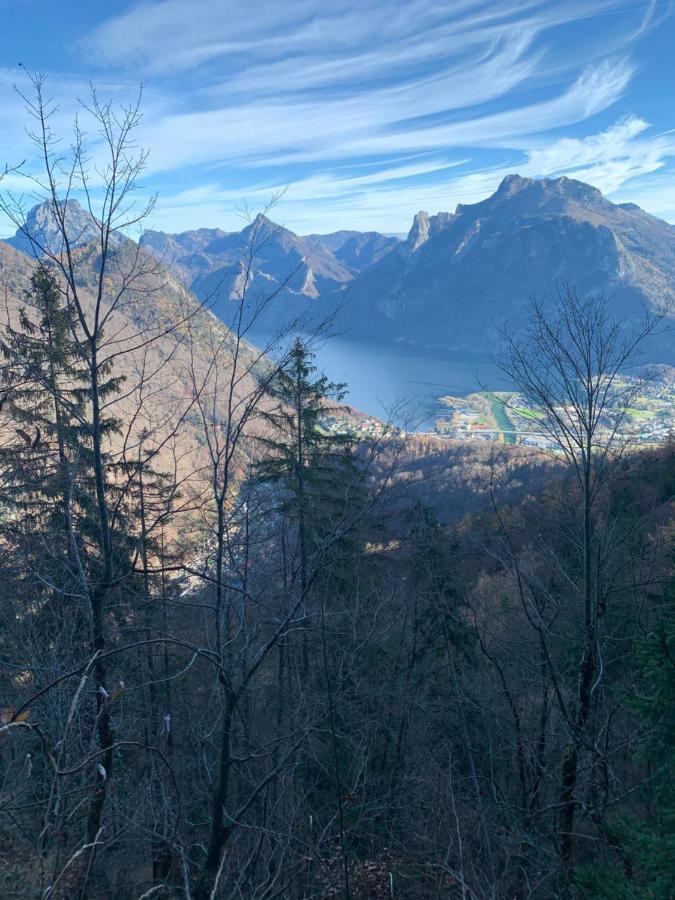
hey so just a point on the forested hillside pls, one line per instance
(248, 656)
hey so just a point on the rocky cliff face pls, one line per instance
(425, 226)
(460, 277)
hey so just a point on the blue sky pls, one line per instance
(362, 111)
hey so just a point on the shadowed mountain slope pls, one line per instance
(459, 277)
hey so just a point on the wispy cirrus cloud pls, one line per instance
(378, 125)
(620, 154)
(179, 35)
(365, 112)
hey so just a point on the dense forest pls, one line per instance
(245, 656)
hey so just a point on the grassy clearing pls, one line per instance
(640, 415)
(529, 414)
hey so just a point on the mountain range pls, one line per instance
(459, 278)
(451, 285)
(162, 371)
(266, 259)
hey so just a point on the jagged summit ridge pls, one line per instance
(562, 186)
(519, 196)
(293, 267)
(296, 269)
(453, 282)
(459, 278)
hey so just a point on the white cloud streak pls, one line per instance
(361, 110)
(609, 159)
(180, 35)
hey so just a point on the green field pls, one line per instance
(528, 414)
(640, 414)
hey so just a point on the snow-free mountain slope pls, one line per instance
(266, 259)
(454, 282)
(459, 277)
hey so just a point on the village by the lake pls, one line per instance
(506, 416)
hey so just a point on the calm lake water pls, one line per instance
(389, 381)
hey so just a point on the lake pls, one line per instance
(404, 384)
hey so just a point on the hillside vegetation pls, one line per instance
(248, 655)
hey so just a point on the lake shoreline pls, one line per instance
(399, 382)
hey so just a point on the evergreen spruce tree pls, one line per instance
(313, 469)
(319, 496)
(45, 393)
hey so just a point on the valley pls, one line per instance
(411, 327)
(313, 520)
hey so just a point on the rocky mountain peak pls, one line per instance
(419, 231)
(519, 197)
(42, 226)
(476, 270)
(553, 191)
(261, 221)
(566, 187)
(512, 184)
(425, 226)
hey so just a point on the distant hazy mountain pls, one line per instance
(187, 253)
(355, 249)
(296, 269)
(459, 277)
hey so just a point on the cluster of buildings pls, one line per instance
(354, 427)
(509, 418)
(462, 419)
